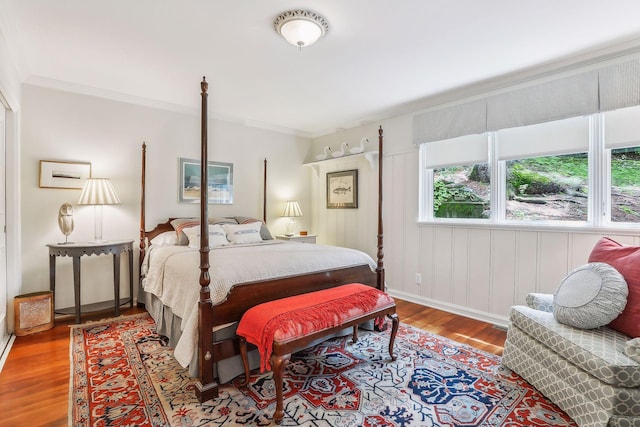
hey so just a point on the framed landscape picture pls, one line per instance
(220, 186)
(342, 189)
(55, 174)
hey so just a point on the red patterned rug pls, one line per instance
(123, 374)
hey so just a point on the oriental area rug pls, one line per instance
(123, 374)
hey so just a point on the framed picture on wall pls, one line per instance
(220, 177)
(55, 174)
(342, 189)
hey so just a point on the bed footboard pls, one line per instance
(247, 295)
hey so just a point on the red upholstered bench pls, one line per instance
(281, 327)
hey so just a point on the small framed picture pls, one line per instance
(220, 177)
(342, 189)
(54, 174)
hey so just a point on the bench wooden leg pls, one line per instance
(355, 334)
(245, 360)
(394, 330)
(278, 363)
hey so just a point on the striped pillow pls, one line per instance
(243, 233)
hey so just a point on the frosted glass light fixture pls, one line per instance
(292, 210)
(98, 192)
(301, 28)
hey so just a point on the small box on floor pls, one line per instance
(33, 312)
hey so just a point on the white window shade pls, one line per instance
(622, 128)
(461, 151)
(567, 136)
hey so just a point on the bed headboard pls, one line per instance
(147, 235)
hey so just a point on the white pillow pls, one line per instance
(217, 236)
(243, 233)
(168, 238)
(590, 296)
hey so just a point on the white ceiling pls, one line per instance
(379, 57)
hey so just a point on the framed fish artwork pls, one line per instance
(342, 189)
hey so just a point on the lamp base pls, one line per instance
(292, 227)
(97, 225)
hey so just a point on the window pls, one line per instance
(462, 191)
(622, 144)
(550, 188)
(625, 185)
(459, 179)
(540, 174)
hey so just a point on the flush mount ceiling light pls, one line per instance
(301, 28)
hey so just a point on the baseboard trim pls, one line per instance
(498, 321)
(5, 350)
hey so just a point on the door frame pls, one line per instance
(12, 206)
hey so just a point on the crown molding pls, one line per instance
(153, 103)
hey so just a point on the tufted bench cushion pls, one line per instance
(599, 352)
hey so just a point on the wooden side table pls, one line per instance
(77, 250)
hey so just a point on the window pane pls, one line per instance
(625, 185)
(549, 188)
(461, 191)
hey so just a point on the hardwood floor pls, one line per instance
(458, 328)
(34, 383)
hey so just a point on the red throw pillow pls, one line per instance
(625, 259)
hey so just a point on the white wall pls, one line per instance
(62, 126)
(474, 271)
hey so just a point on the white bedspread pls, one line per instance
(173, 273)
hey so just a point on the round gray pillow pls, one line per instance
(590, 296)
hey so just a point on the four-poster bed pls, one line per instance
(222, 301)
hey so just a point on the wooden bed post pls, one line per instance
(143, 243)
(264, 195)
(380, 264)
(206, 387)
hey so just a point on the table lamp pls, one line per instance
(98, 192)
(291, 210)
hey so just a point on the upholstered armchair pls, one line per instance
(580, 346)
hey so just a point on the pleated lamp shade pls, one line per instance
(98, 191)
(292, 209)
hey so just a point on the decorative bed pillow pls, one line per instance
(222, 220)
(590, 296)
(168, 238)
(264, 230)
(217, 236)
(243, 233)
(179, 224)
(625, 259)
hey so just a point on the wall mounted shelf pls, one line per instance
(370, 156)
